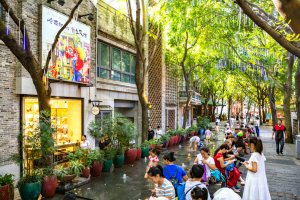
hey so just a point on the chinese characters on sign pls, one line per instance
(71, 56)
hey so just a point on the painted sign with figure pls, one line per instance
(71, 56)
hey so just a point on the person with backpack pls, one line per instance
(174, 173)
(163, 187)
(196, 174)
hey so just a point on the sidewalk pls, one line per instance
(282, 171)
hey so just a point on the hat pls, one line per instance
(240, 134)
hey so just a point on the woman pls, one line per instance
(256, 186)
(163, 187)
(84, 144)
(222, 165)
(196, 174)
(172, 172)
(206, 160)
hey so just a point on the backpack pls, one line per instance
(175, 182)
(181, 189)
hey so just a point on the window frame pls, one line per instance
(122, 66)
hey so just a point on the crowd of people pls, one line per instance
(220, 167)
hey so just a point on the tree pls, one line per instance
(140, 32)
(28, 60)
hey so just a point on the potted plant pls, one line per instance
(165, 140)
(109, 154)
(139, 152)
(64, 174)
(76, 167)
(49, 183)
(38, 148)
(145, 149)
(119, 158)
(98, 158)
(6, 187)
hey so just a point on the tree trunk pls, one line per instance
(229, 107)
(272, 102)
(263, 110)
(222, 107)
(297, 88)
(287, 100)
(187, 103)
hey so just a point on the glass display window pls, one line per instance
(66, 116)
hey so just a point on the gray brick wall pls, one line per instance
(10, 68)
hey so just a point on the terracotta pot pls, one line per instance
(7, 192)
(139, 154)
(69, 178)
(130, 156)
(49, 186)
(86, 172)
(96, 168)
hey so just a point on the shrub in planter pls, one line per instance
(145, 149)
(119, 158)
(6, 187)
(109, 154)
(97, 166)
(49, 183)
(139, 153)
(130, 156)
(30, 187)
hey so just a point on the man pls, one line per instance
(150, 133)
(158, 132)
(279, 131)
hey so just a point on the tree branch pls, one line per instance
(273, 33)
(17, 22)
(58, 35)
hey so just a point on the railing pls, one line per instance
(196, 97)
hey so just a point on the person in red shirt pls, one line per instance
(279, 131)
(219, 158)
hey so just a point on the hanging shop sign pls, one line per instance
(95, 110)
(71, 56)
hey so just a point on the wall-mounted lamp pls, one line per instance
(60, 2)
(89, 15)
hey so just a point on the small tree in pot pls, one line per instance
(97, 156)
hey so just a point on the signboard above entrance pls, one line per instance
(71, 57)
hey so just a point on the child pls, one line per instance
(153, 160)
(194, 142)
(208, 134)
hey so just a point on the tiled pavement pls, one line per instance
(283, 173)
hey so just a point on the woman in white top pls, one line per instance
(256, 186)
(84, 144)
(203, 158)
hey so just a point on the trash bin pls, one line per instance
(298, 147)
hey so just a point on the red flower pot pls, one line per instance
(49, 186)
(86, 172)
(167, 144)
(178, 139)
(7, 192)
(96, 169)
(174, 140)
(139, 154)
(130, 156)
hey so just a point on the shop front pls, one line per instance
(67, 121)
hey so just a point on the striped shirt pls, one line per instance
(165, 190)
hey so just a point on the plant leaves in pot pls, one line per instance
(6, 187)
(49, 183)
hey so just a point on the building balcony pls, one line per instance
(196, 97)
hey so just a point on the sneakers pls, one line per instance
(281, 154)
(242, 182)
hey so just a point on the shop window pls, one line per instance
(115, 64)
(66, 116)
